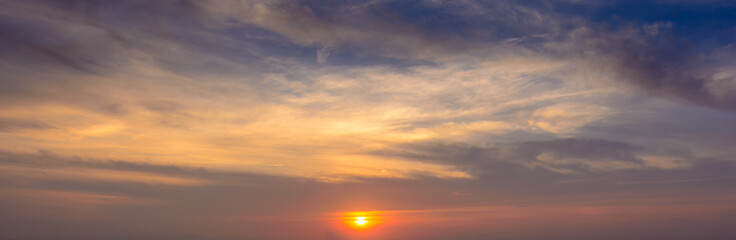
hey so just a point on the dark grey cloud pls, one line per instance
(666, 52)
(653, 57)
(702, 128)
(9, 124)
(41, 36)
(551, 155)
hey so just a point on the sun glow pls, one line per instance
(361, 220)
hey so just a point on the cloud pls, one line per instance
(387, 28)
(648, 55)
(45, 167)
(323, 54)
(652, 57)
(565, 156)
(262, 204)
(238, 119)
(14, 124)
(566, 117)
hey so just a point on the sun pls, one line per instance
(360, 221)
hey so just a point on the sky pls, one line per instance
(374, 119)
